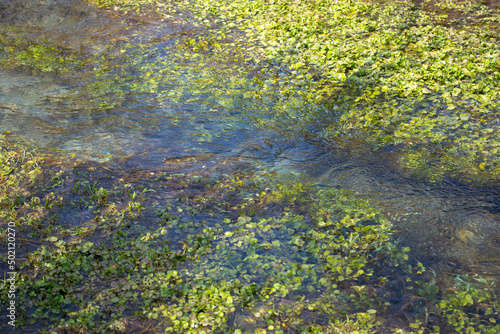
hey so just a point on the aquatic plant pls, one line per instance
(391, 74)
(229, 251)
(232, 248)
(42, 56)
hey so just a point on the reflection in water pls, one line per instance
(105, 110)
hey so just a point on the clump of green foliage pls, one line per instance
(227, 250)
(422, 78)
(19, 167)
(389, 73)
(462, 295)
(392, 72)
(16, 52)
(127, 5)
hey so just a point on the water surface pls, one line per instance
(133, 96)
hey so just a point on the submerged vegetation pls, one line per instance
(392, 73)
(418, 77)
(193, 247)
(210, 244)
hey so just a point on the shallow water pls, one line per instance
(450, 225)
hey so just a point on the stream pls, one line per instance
(118, 104)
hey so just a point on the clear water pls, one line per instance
(451, 226)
